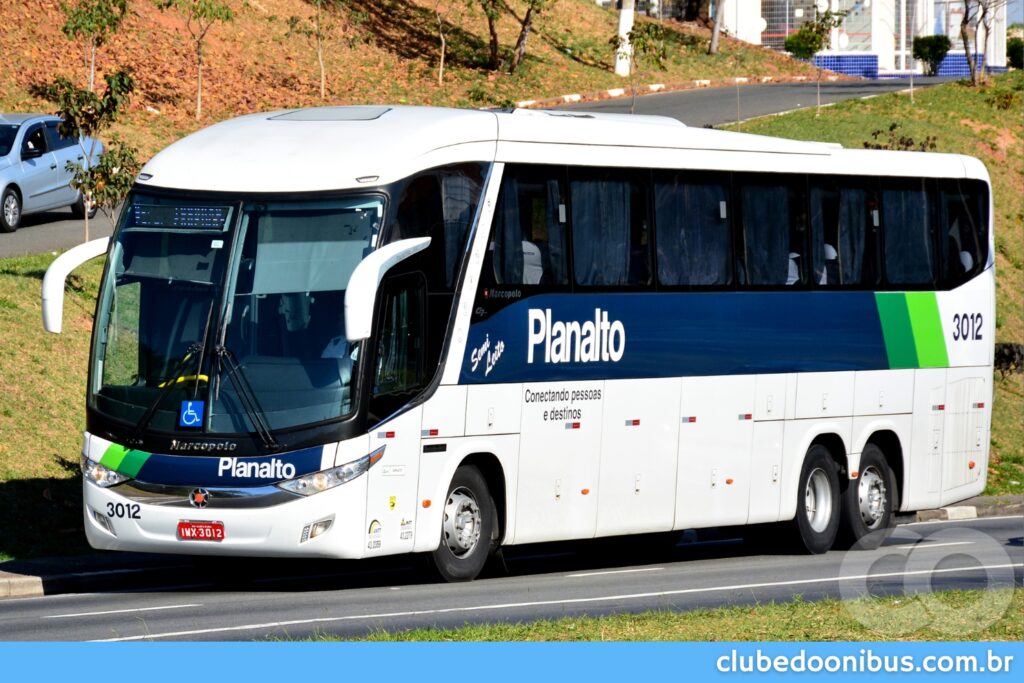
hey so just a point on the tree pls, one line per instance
(200, 16)
(492, 11)
(316, 29)
(646, 42)
(623, 48)
(84, 114)
(95, 21)
(812, 37)
(533, 7)
(931, 50)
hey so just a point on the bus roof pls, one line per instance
(325, 148)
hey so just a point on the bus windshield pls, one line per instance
(216, 316)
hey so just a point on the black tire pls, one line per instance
(10, 210)
(463, 552)
(817, 510)
(868, 503)
(78, 208)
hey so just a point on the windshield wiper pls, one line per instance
(246, 395)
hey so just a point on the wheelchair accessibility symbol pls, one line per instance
(191, 414)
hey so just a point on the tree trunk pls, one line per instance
(713, 47)
(199, 80)
(444, 46)
(524, 34)
(624, 55)
(965, 24)
(320, 53)
(492, 29)
(92, 65)
(86, 202)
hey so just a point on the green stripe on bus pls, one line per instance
(928, 338)
(133, 462)
(127, 461)
(114, 456)
(897, 329)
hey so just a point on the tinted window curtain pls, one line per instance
(458, 202)
(600, 223)
(908, 245)
(508, 238)
(556, 235)
(693, 238)
(766, 226)
(853, 220)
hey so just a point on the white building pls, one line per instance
(876, 34)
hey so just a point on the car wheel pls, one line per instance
(78, 208)
(467, 530)
(10, 210)
(817, 514)
(866, 510)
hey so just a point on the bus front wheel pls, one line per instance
(866, 517)
(467, 529)
(817, 514)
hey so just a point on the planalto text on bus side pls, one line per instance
(570, 341)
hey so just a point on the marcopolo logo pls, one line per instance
(571, 341)
(274, 469)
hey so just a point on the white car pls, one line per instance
(33, 168)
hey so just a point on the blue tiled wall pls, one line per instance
(955, 64)
(865, 65)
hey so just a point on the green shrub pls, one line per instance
(1015, 52)
(931, 50)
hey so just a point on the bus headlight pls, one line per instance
(336, 476)
(100, 475)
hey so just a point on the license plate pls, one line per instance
(200, 531)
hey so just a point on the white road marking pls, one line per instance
(118, 611)
(961, 521)
(924, 546)
(545, 603)
(615, 571)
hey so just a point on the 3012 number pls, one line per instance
(967, 327)
(124, 510)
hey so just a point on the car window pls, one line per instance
(34, 140)
(55, 140)
(7, 134)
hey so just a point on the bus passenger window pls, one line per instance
(908, 226)
(773, 234)
(610, 228)
(842, 234)
(529, 228)
(692, 222)
(963, 231)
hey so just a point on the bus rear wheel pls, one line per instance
(467, 529)
(866, 516)
(817, 515)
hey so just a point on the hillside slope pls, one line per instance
(380, 51)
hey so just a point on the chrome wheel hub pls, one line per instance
(11, 211)
(818, 500)
(462, 522)
(871, 497)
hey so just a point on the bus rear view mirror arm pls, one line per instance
(57, 273)
(362, 286)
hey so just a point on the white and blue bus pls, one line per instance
(349, 332)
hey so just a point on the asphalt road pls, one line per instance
(714, 106)
(256, 600)
(55, 230)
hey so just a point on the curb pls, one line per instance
(990, 506)
(650, 88)
(20, 586)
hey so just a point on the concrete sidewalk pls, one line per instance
(117, 571)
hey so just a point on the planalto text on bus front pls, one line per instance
(570, 341)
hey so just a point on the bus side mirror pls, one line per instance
(57, 273)
(361, 291)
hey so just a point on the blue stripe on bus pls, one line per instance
(224, 470)
(686, 334)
